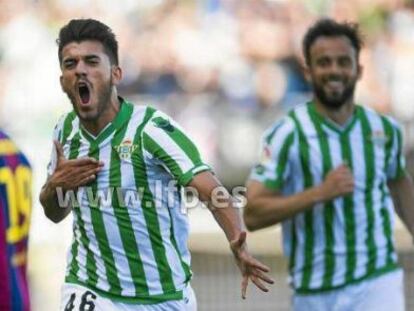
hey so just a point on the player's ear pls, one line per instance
(306, 72)
(116, 73)
(61, 83)
(360, 70)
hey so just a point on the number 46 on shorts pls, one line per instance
(78, 298)
(84, 303)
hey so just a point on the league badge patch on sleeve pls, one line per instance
(266, 155)
(163, 124)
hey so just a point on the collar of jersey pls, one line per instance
(117, 122)
(332, 125)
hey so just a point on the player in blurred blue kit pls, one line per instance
(15, 210)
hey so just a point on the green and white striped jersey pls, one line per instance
(131, 244)
(350, 238)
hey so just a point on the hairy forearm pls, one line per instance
(266, 210)
(402, 192)
(49, 200)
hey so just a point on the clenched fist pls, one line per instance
(337, 183)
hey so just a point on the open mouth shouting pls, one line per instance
(84, 93)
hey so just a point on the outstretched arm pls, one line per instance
(219, 202)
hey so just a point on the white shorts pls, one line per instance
(383, 293)
(78, 298)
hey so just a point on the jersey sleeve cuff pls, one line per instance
(273, 184)
(268, 183)
(185, 179)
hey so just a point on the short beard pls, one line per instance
(334, 103)
(104, 98)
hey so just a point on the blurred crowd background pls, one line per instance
(224, 69)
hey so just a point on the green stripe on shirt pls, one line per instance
(369, 156)
(92, 276)
(329, 208)
(67, 127)
(348, 208)
(122, 216)
(98, 226)
(386, 218)
(149, 210)
(281, 164)
(308, 215)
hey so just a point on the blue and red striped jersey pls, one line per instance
(15, 210)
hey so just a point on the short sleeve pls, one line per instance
(273, 168)
(396, 165)
(167, 142)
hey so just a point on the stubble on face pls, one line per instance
(335, 100)
(88, 79)
(104, 94)
(334, 71)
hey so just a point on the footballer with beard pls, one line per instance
(332, 173)
(127, 254)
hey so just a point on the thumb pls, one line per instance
(59, 151)
(347, 165)
(343, 166)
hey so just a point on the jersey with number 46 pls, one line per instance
(129, 230)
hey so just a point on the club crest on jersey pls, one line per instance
(125, 149)
(163, 124)
(379, 138)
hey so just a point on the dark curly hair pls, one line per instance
(329, 28)
(78, 30)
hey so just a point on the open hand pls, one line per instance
(71, 174)
(250, 268)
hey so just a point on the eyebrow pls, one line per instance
(334, 56)
(91, 57)
(87, 57)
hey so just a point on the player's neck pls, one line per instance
(339, 115)
(94, 127)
